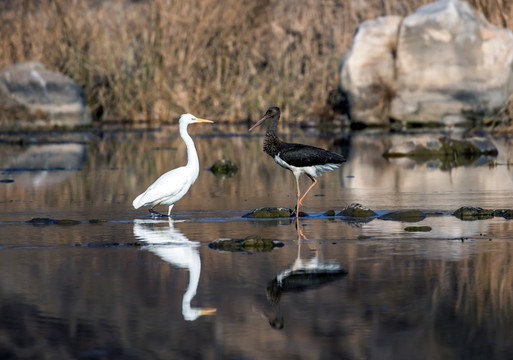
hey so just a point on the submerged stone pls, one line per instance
(505, 213)
(357, 210)
(269, 213)
(251, 244)
(404, 215)
(417, 228)
(97, 221)
(49, 221)
(67, 222)
(226, 168)
(329, 213)
(42, 221)
(473, 213)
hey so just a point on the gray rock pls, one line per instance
(473, 213)
(366, 74)
(441, 63)
(357, 210)
(32, 97)
(269, 212)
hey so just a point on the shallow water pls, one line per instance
(136, 288)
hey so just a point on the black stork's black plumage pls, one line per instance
(298, 158)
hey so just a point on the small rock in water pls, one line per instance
(357, 210)
(269, 212)
(251, 243)
(404, 215)
(224, 168)
(329, 213)
(473, 213)
(417, 228)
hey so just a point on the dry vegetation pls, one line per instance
(230, 59)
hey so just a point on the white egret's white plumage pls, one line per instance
(175, 248)
(173, 185)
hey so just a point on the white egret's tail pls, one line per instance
(138, 202)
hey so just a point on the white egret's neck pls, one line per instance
(192, 155)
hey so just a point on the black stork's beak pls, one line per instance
(259, 122)
(270, 113)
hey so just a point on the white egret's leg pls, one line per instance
(169, 211)
(153, 212)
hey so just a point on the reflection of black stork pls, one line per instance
(302, 275)
(298, 158)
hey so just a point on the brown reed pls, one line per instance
(229, 59)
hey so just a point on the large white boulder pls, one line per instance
(449, 62)
(366, 70)
(33, 97)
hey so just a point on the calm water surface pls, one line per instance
(137, 288)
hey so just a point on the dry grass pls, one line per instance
(230, 59)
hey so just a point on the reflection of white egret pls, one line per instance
(174, 247)
(173, 185)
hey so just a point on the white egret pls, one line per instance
(173, 185)
(175, 248)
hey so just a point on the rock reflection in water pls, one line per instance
(42, 165)
(174, 247)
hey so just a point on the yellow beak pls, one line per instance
(204, 120)
(208, 311)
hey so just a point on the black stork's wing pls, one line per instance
(304, 155)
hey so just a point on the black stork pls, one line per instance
(298, 158)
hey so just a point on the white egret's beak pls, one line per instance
(204, 120)
(208, 311)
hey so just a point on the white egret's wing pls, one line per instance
(166, 186)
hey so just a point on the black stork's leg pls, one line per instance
(300, 235)
(310, 188)
(298, 201)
